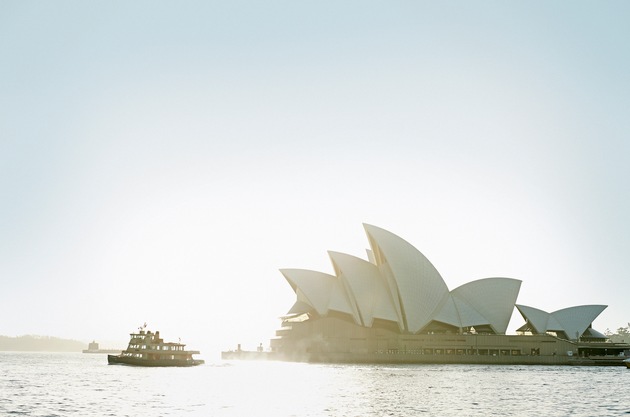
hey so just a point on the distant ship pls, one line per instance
(248, 354)
(148, 349)
(94, 348)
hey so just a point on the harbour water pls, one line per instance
(75, 384)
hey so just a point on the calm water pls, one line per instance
(62, 384)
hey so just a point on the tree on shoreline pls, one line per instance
(33, 343)
(622, 334)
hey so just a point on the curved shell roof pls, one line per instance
(419, 286)
(537, 318)
(322, 291)
(492, 298)
(573, 321)
(399, 284)
(369, 293)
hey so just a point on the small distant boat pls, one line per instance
(627, 363)
(148, 349)
(94, 348)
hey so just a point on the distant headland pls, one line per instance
(32, 343)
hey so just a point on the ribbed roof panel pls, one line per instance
(418, 284)
(575, 320)
(367, 288)
(316, 287)
(469, 316)
(492, 298)
(448, 313)
(536, 317)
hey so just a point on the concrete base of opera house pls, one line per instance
(338, 341)
(456, 356)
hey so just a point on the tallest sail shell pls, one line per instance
(418, 286)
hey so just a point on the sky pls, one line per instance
(161, 161)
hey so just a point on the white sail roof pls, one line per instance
(573, 321)
(399, 284)
(537, 318)
(300, 307)
(368, 290)
(491, 298)
(448, 313)
(322, 291)
(416, 282)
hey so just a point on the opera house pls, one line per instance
(394, 307)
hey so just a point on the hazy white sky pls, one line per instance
(160, 161)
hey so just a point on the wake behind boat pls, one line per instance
(148, 349)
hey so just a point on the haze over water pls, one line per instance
(161, 161)
(72, 384)
(171, 158)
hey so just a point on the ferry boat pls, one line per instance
(147, 348)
